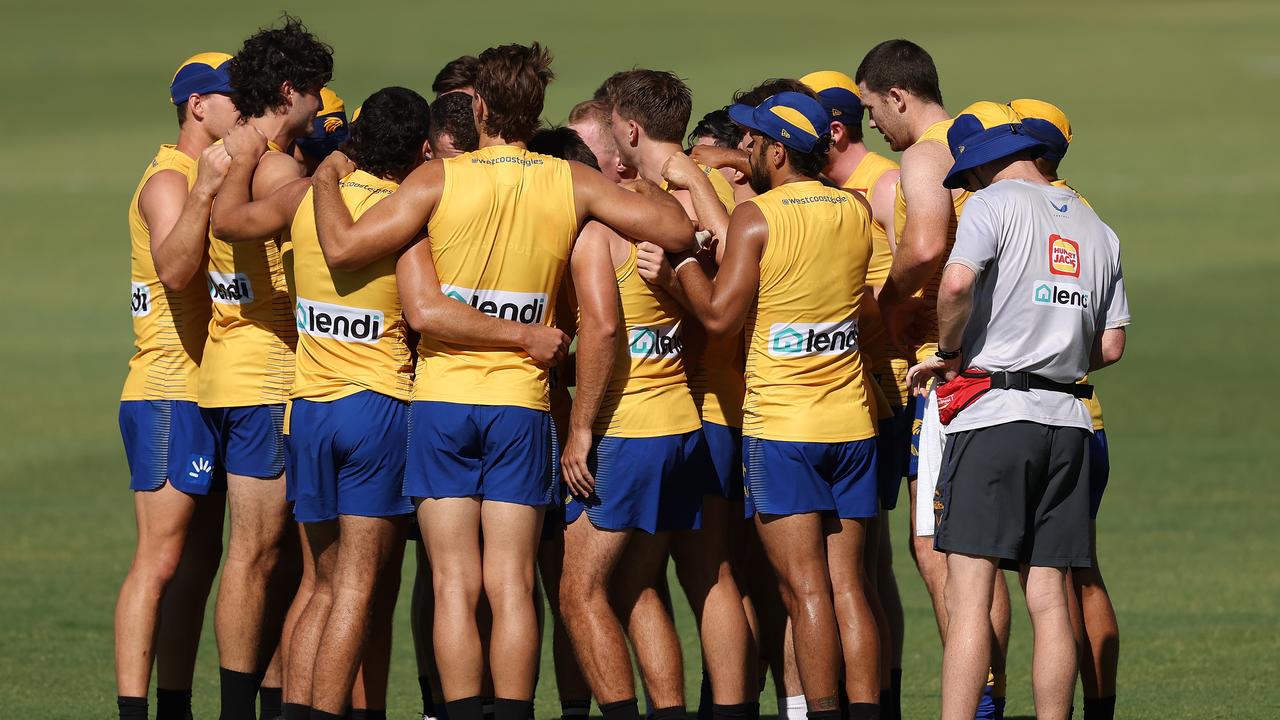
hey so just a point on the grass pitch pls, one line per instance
(1171, 105)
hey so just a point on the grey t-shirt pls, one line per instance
(1049, 281)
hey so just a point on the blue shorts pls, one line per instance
(894, 452)
(167, 440)
(915, 411)
(651, 484)
(346, 457)
(793, 478)
(250, 439)
(725, 446)
(499, 453)
(1099, 470)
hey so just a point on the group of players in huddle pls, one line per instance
(386, 332)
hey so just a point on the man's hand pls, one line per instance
(245, 143)
(546, 345)
(680, 170)
(651, 261)
(904, 322)
(573, 464)
(335, 167)
(918, 376)
(720, 157)
(212, 170)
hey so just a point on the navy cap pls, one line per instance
(793, 119)
(201, 74)
(972, 144)
(838, 93)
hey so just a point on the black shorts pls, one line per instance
(1018, 492)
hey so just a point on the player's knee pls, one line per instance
(508, 589)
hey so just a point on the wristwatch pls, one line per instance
(947, 354)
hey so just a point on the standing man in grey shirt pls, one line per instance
(1031, 299)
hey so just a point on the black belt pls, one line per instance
(1027, 381)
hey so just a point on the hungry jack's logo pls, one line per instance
(1064, 256)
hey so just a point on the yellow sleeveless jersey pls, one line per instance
(716, 380)
(804, 375)
(1094, 405)
(248, 359)
(647, 394)
(169, 328)
(500, 236)
(936, 133)
(351, 331)
(887, 363)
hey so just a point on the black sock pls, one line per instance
(1100, 708)
(823, 714)
(575, 709)
(621, 710)
(504, 709)
(239, 694)
(465, 709)
(295, 711)
(670, 713)
(322, 715)
(269, 702)
(366, 714)
(131, 708)
(891, 698)
(173, 704)
(864, 711)
(487, 708)
(706, 699)
(741, 711)
(424, 686)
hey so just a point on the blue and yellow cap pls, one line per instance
(329, 128)
(208, 72)
(1059, 132)
(793, 119)
(977, 138)
(838, 93)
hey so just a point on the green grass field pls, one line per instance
(1170, 103)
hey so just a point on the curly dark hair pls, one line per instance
(272, 57)
(512, 80)
(769, 88)
(386, 139)
(456, 74)
(717, 126)
(808, 164)
(452, 113)
(564, 143)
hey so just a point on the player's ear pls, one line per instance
(633, 133)
(898, 98)
(480, 110)
(426, 150)
(195, 107)
(286, 92)
(837, 132)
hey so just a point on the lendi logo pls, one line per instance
(807, 339)
(1066, 295)
(656, 342)
(336, 322)
(523, 307)
(230, 288)
(140, 299)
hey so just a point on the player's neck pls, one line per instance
(1024, 170)
(846, 161)
(926, 116)
(787, 176)
(275, 127)
(651, 156)
(193, 139)
(494, 141)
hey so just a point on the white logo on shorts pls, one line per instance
(230, 288)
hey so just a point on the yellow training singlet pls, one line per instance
(351, 332)
(805, 381)
(887, 363)
(169, 328)
(500, 237)
(248, 359)
(716, 380)
(1092, 403)
(647, 394)
(937, 133)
